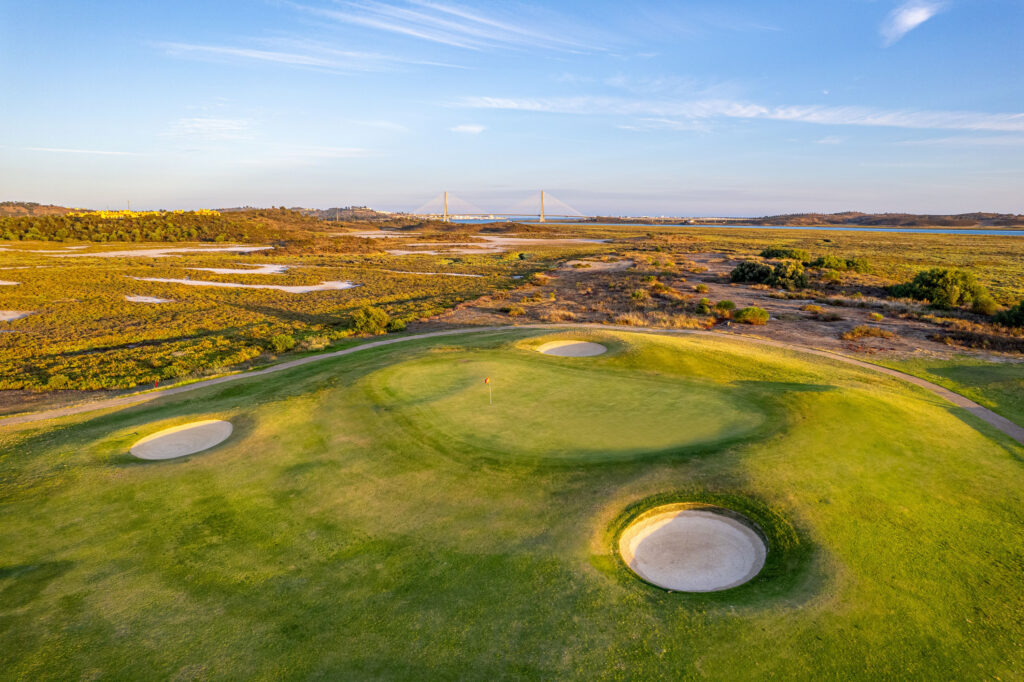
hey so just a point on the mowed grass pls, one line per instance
(998, 386)
(337, 535)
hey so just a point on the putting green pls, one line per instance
(372, 517)
(539, 409)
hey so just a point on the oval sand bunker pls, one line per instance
(179, 441)
(692, 549)
(572, 349)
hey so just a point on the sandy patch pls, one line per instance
(447, 274)
(9, 315)
(8, 284)
(267, 269)
(159, 253)
(597, 265)
(147, 299)
(291, 289)
(572, 349)
(179, 441)
(692, 550)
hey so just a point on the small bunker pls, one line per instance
(572, 349)
(687, 548)
(179, 441)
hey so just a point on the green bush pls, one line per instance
(396, 325)
(701, 288)
(514, 310)
(282, 343)
(751, 315)
(751, 272)
(1013, 317)
(789, 275)
(946, 288)
(725, 306)
(369, 320)
(801, 255)
(831, 262)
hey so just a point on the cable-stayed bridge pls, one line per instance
(447, 207)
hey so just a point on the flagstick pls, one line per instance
(490, 397)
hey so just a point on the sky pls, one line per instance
(698, 108)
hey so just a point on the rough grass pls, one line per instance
(339, 535)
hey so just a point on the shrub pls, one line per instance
(725, 306)
(751, 315)
(558, 315)
(944, 288)
(318, 342)
(789, 275)
(782, 252)
(863, 330)
(751, 271)
(876, 317)
(811, 308)
(58, 381)
(396, 325)
(639, 294)
(282, 343)
(369, 320)
(831, 262)
(701, 288)
(1013, 317)
(513, 310)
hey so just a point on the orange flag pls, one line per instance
(487, 380)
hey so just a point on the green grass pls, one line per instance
(998, 386)
(373, 517)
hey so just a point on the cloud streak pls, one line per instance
(681, 112)
(299, 53)
(444, 24)
(212, 129)
(469, 129)
(62, 150)
(907, 17)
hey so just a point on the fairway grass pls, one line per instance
(372, 516)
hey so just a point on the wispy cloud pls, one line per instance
(446, 24)
(908, 16)
(697, 110)
(299, 53)
(830, 139)
(469, 129)
(62, 150)
(972, 141)
(212, 129)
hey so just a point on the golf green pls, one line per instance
(386, 515)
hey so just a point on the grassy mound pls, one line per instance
(370, 518)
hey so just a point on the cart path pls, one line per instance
(983, 413)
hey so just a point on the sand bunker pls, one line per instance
(179, 441)
(291, 289)
(572, 349)
(9, 315)
(693, 549)
(8, 284)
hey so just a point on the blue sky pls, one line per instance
(696, 108)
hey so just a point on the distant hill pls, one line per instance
(896, 219)
(965, 220)
(345, 213)
(20, 208)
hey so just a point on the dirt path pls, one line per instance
(988, 416)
